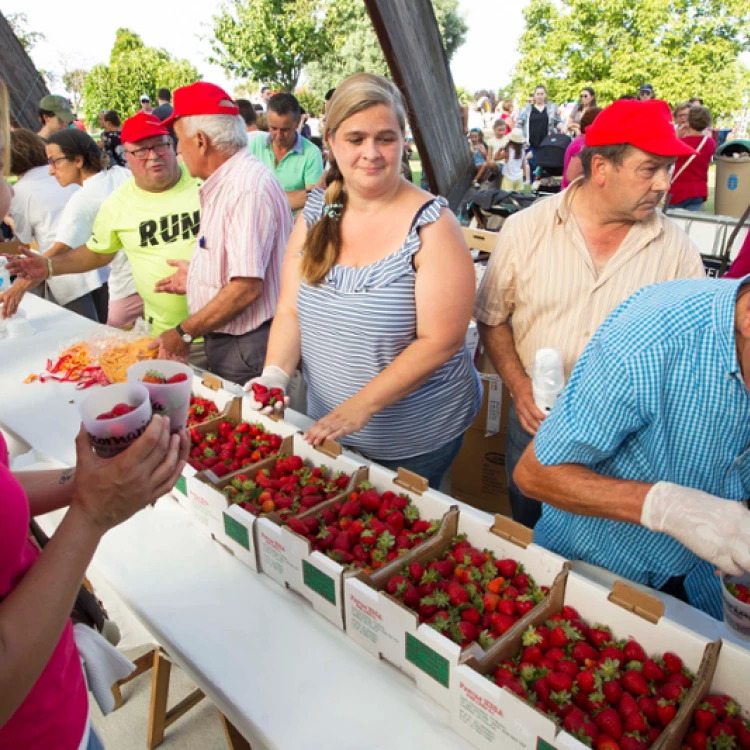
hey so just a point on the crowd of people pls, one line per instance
(537, 120)
(252, 257)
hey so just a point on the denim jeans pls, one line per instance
(689, 204)
(432, 466)
(524, 509)
(94, 742)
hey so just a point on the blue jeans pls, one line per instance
(94, 742)
(689, 204)
(524, 509)
(432, 466)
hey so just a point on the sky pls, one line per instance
(81, 34)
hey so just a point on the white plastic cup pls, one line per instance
(736, 614)
(547, 378)
(112, 436)
(168, 399)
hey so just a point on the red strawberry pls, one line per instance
(506, 568)
(178, 378)
(608, 722)
(370, 501)
(521, 582)
(666, 711)
(681, 679)
(606, 743)
(507, 607)
(672, 662)
(582, 651)
(599, 636)
(704, 717)
(649, 709)
(560, 682)
(697, 741)
(411, 596)
(524, 606)
(458, 594)
(472, 615)
(464, 633)
(555, 654)
(613, 653)
(531, 654)
(633, 651)
(396, 582)
(635, 722)
(652, 672)
(719, 729)
(653, 734)
(671, 692)
(542, 689)
(634, 682)
(569, 613)
(567, 666)
(558, 637)
(416, 571)
(627, 705)
(612, 692)
(633, 742)
(588, 681)
(501, 623)
(444, 568)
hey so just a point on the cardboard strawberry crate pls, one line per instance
(197, 499)
(240, 530)
(317, 577)
(388, 629)
(488, 716)
(211, 388)
(728, 674)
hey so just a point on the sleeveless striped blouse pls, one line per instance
(354, 324)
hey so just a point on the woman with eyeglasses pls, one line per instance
(587, 101)
(75, 159)
(36, 208)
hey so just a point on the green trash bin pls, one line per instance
(732, 178)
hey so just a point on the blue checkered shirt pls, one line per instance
(656, 395)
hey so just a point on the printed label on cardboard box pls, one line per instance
(273, 554)
(319, 582)
(368, 622)
(235, 530)
(494, 405)
(181, 485)
(429, 661)
(479, 714)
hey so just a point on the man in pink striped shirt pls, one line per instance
(232, 282)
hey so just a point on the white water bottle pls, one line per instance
(547, 378)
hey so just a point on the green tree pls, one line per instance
(358, 49)
(272, 40)
(684, 48)
(19, 23)
(463, 95)
(134, 69)
(74, 81)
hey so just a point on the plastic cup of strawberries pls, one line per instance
(115, 416)
(169, 385)
(735, 591)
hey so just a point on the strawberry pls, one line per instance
(652, 672)
(672, 663)
(559, 637)
(458, 594)
(464, 633)
(633, 651)
(555, 654)
(567, 666)
(490, 602)
(501, 623)
(649, 709)
(542, 689)
(681, 679)
(524, 605)
(633, 742)
(600, 636)
(666, 711)
(635, 683)
(671, 692)
(704, 717)
(569, 613)
(444, 568)
(560, 682)
(507, 568)
(718, 732)
(606, 743)
(416, 571)
(395, 583)
(588, 681)
(180, 377)
(627, 705)
(531, 654)
(697, 741)
(613, 653)
(653, 734)
(411, 596)
(612, 692)
(154, 376)
(609, 722)
(472, 615)
(583, 651)
(507, 607)
(635, 722)
(370, 500)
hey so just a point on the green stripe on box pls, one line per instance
(319, 582)
(429, 661)
(543, 744)
(181, 485)
(235, 530)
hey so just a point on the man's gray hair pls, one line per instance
(226, 132)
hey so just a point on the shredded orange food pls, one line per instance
(31, 378)
(116, 359)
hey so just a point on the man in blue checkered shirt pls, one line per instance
(643, 464)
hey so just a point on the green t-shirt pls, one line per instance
(302, 166)
(152, 228)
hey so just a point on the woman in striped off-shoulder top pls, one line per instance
(376, 295)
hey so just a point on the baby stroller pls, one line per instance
(550, 161)
(490, 208)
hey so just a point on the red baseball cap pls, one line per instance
(141, 126)
(201, 98)
(646, 125)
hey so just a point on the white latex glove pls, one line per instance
(272, 377)
(715, 529)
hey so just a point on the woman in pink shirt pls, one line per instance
(43, 695)
(572, 168)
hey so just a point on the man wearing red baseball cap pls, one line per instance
(232, 282)
(154, 218)
(561, 266)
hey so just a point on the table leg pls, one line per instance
(157, 715)
(142, 664)
(235, 741)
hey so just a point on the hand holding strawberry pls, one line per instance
(269, 390)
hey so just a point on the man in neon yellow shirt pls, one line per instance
(154, 217)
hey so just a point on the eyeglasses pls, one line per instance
(143, 154)
(53, 162)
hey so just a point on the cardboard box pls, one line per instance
(199, 495)
(490, 717)
(727, 674)
(478, 471)
(317, 577)
(209, 387)
(387, 629)
(472, 338)
(242, 532)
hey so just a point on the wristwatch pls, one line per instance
(186, 337)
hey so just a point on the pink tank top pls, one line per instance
(54, 713)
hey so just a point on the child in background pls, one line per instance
(515, 164)
(479, 150)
